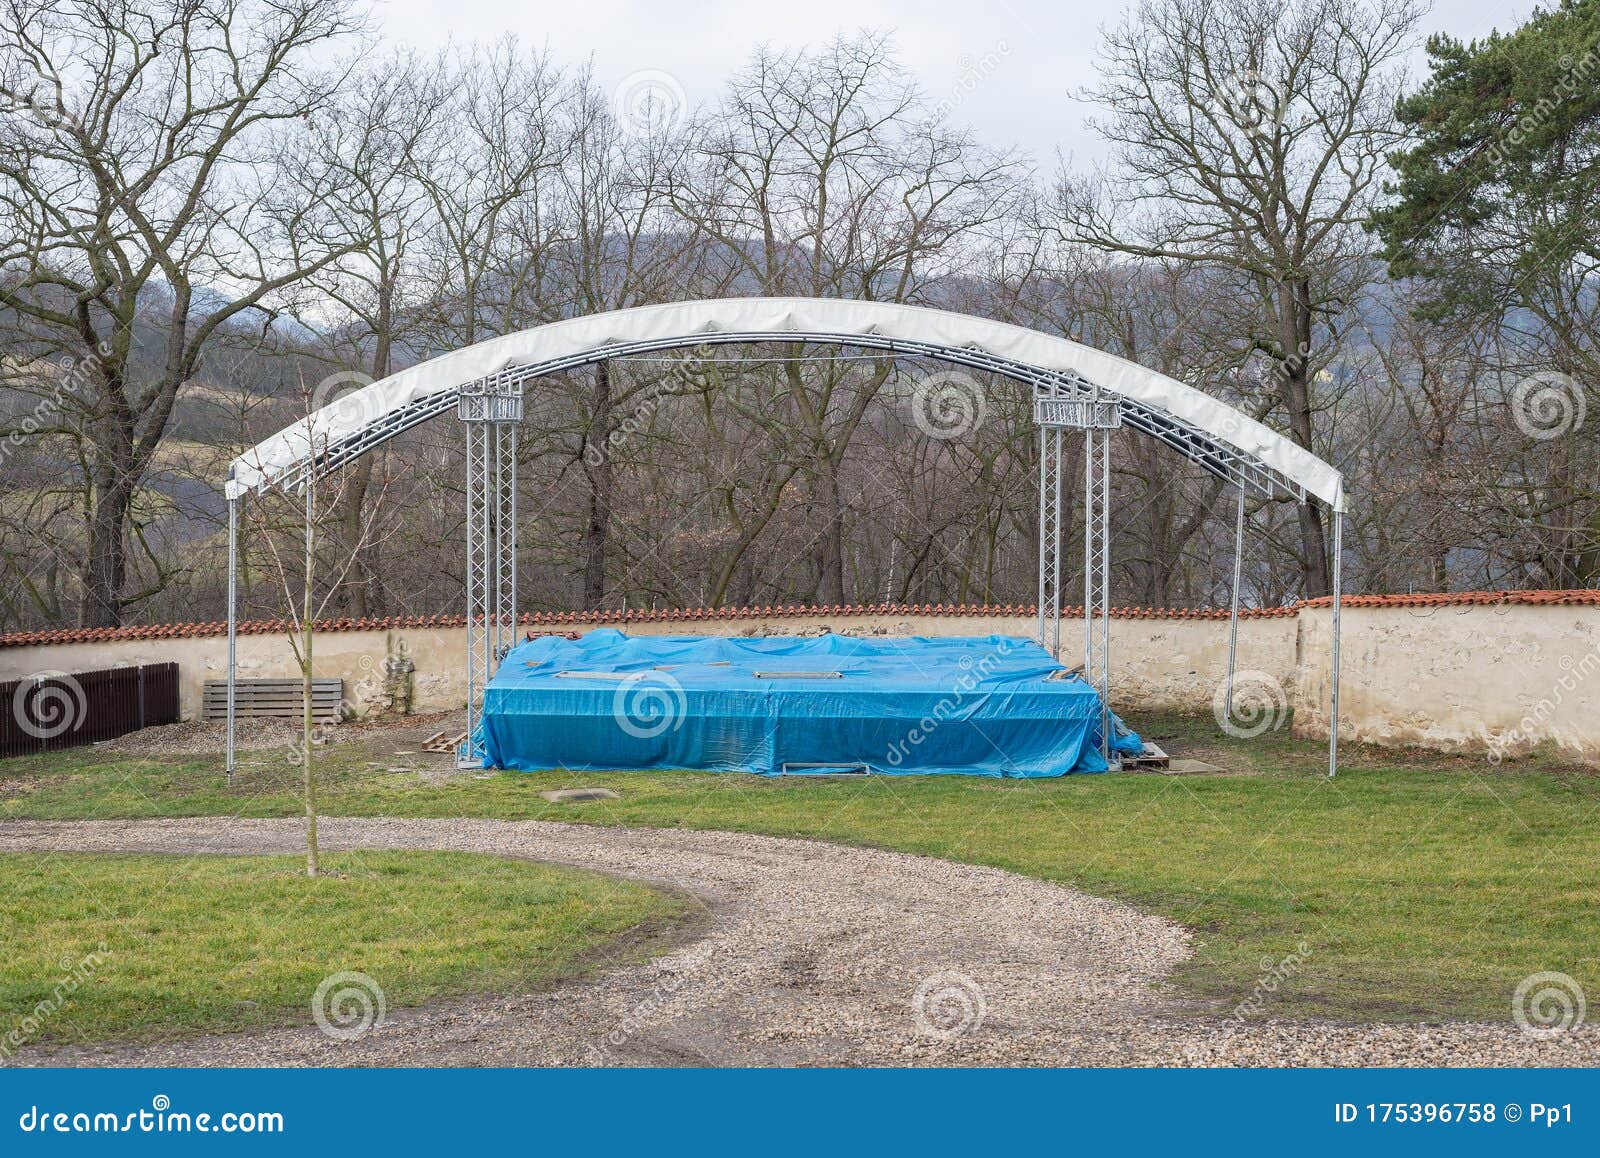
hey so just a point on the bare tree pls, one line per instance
(825, 174)
(617, 244)
(138, 204)
(1250, 136)
(495, 151)
(306, 594)
(377, 140)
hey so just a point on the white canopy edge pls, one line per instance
(349, 415)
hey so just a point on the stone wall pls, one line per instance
(1495, 676)
(1499, 678)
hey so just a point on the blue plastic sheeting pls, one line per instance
(977, 706)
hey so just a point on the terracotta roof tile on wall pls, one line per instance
(1461, 598)
(703, 614)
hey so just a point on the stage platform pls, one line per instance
(836, 705)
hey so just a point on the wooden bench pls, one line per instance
(272, 698)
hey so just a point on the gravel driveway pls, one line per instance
(807, 953)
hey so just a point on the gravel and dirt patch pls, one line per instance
(810, 954)
(263, 733)
(205, 737)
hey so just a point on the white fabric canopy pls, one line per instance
(824, 318)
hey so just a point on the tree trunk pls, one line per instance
(355, 594)
(1295, 368)
(107, 561)
(359, 594)
(830, 541)
(597, 464)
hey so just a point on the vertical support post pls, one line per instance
(509, 531)
(1333, 707)
(1097, 573)
(1056, 535)
(1056, 409)
(489, 408)
(491, 512)
(1233, 605)
(1088, 555)
(233, 622)
(477, 577)
(489, 474)
(1103, 567)
(1050, 470)
(1044, 526)
(505, 554)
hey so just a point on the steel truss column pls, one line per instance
(1097, 573)
(1058, 407)
(490, 409)
(1051, 469)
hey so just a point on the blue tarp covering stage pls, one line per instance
(977, 706)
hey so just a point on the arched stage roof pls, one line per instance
(1206, 430)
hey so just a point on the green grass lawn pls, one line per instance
(100, 947)
(1423, 886)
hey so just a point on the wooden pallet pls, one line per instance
(284, 698)
(444, 742)
(1151, 757)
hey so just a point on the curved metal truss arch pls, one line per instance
(1223, 461)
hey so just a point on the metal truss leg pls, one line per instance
(233, 626)
(1097, 573)
(1233, 606)
(480, 498)
(1089, 597)
(1044, 530)
(505, 541)
(1333, 706)
(491, 562)
(1050, 536)
(490, 409)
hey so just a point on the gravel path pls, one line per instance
(808, 954)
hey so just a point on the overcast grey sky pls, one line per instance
(1008, 68)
